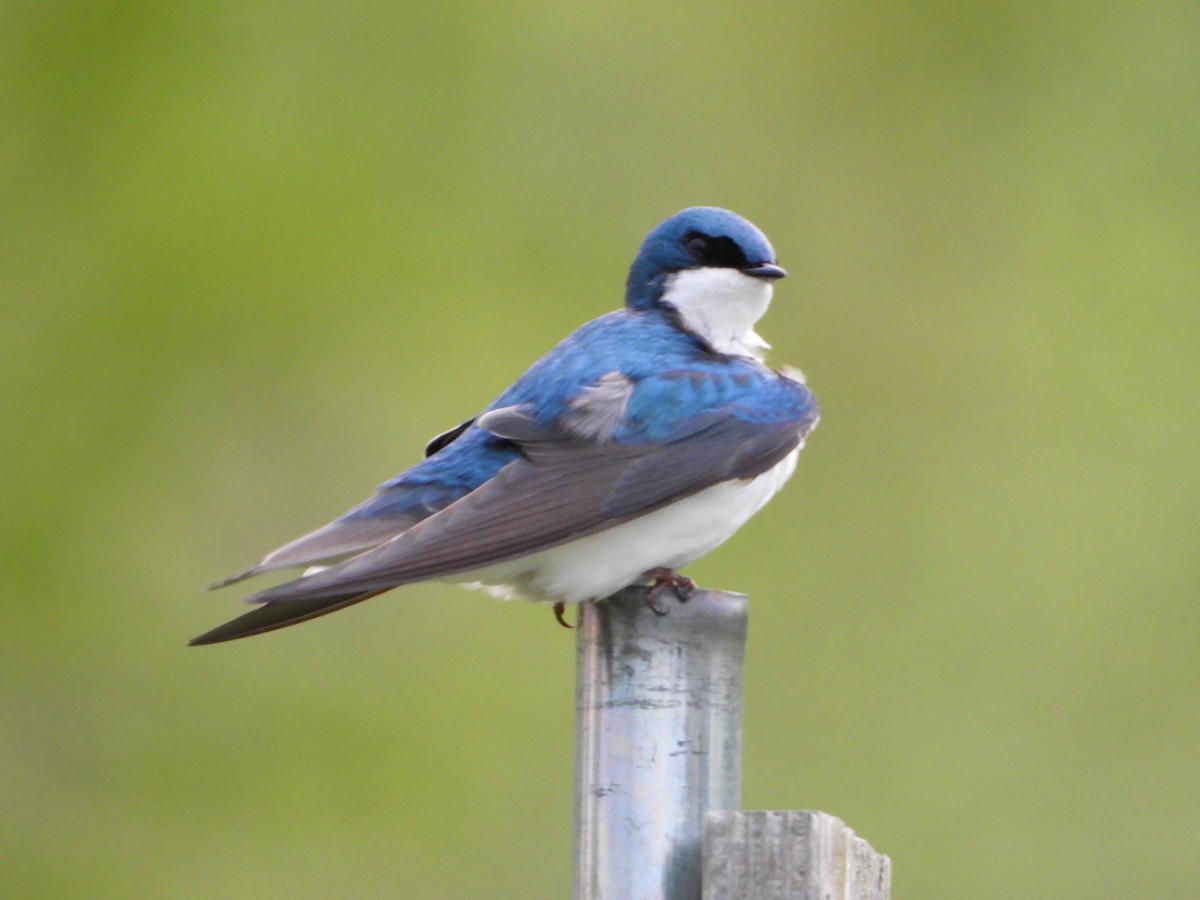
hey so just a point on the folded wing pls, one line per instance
(559, 488)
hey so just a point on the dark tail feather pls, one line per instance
(270, 616)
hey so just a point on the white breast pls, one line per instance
(721, 306)
(602, 563)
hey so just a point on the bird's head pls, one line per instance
(713, 270)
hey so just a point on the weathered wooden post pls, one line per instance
(802, 855)
(658, 755)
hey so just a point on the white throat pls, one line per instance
(721, 306)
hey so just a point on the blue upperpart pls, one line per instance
(676, 377)
(664, 251)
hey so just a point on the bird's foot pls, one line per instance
(559, 610)
(664, 578)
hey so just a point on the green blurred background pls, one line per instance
(254, 254)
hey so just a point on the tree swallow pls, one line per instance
(637, 445)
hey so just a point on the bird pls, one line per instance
(640, 443)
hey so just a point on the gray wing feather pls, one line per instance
(342, 537)
(720, 452)
(329, 543)
(561, 489)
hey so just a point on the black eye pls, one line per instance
(706, 250)
(698, 245)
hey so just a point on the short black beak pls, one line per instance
(766, 271)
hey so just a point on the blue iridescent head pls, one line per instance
(701, 237)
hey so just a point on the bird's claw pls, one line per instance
(664, 578)
(559, 610)
(661, 578)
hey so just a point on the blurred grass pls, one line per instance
(254, 255)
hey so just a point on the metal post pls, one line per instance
(658, 739)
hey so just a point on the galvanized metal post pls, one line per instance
(658, 739)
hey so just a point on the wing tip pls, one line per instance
(234, 579)
(273, 616)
